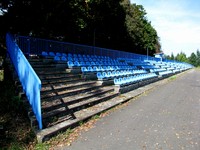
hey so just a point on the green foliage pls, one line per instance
(16, 146)
(181, 57)
(41, 146)
(1, 75)
(173, 77)
(96, 117)
(194, 59)
(139, 30)
(116, 24)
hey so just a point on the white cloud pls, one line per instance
(177, 23)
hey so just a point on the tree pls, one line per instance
(115, 24)
(181, 57)
(140, 32)
(193, 59)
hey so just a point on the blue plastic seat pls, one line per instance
(70, 64)
(76, 63)
(44, 54)
(52, 54)
(90, 69)
(124, 80)
(58, 54)
(80, 59)
(84, 69)
(108, 74)
(69, 55)
(63, 54)
(116, 81)
(93, 63)
(104, 67)
(75, 55)
(95, 68)
(113, 74)
(56, 58)
(63, 58)
(101, 75)
(101, 68)
(82, 63)
(97, 63)
(76, 59)
(70, 58)
(87, 63)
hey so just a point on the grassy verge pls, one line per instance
(173, 77)
(1, 75)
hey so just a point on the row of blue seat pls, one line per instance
(63, 58)
(134, 79)
(167, 72)
(157, 70)
(111, 74)
(106, 68)
(82, 64)
(52, 54)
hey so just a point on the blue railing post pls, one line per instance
(29, 47)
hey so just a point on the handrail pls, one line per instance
(30, 81)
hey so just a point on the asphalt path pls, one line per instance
(165, 118)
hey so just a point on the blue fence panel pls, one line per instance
(31, 45)
(30, 82)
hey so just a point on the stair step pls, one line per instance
(62, 94)
(63, 87)
(49, 105)
(69, 110)
(51, 72)
(69, 82)
(50, 68)
(60, 79)
(55, 74)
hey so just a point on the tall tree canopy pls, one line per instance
(115, 24)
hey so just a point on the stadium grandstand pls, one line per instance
(64, 82)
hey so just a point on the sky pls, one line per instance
(177, 23)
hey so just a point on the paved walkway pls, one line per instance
(166, 118)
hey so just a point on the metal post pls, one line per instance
(94, 38)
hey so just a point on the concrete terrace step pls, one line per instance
(43, 75)
(63, 87)
(60, 79)
(58, 83)
(64, 109)
(70, 100)
(65, 93)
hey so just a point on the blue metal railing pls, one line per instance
(31, 45)
(30, 82)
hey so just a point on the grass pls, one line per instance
(173, 77)
(1, 75)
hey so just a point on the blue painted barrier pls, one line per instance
(30, 81)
